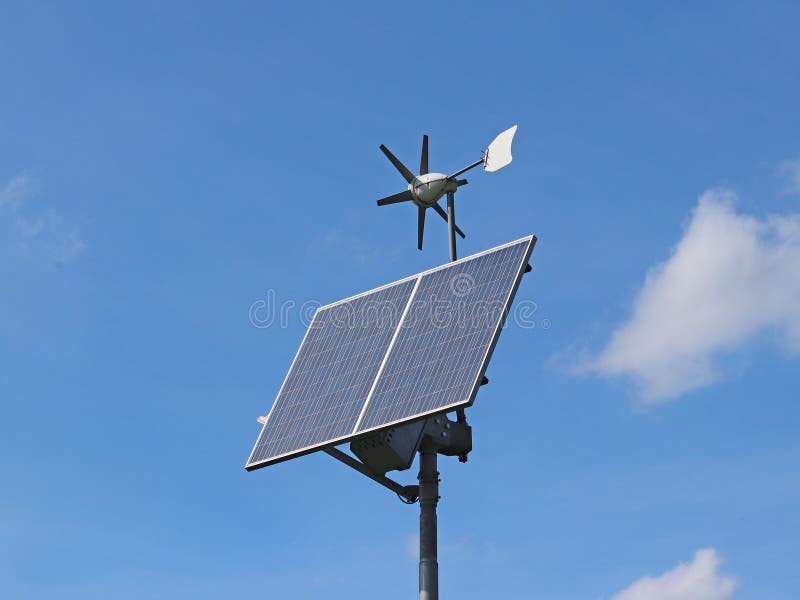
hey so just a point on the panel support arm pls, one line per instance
(407, 493)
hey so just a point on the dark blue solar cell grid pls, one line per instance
(333, 372)
(443, 343)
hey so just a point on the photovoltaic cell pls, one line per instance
(444, 343)
(334, 369)
(413, 348)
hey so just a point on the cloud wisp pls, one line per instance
(15, 191)
(48, 231)
(731, 277)
(789, 171)
(340, 244)
(699, 579)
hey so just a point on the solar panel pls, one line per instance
(416, 347)
(332, 373)
(445, 342)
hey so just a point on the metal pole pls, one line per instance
(451, 230)
(428, 499)
(451, 223)
(429, 475)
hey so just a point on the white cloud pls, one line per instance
(340, 244)
(412, 546)
(697, 580)
(15, 191)
(789, 171)
(731, 277)
(48, 231)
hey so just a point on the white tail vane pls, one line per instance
(498, 154)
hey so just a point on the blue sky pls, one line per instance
(163, 168)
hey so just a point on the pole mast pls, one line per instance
(429, 475)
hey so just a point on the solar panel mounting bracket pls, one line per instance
(438, 433)
(407, 493)
(450, 438)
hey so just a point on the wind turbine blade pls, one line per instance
(408, 175)
(394, 199)
(440, 211)
(420, 225)
(423, 160)
(498, 154)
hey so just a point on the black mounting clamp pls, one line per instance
(450, 438)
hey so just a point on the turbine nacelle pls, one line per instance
(428, 188)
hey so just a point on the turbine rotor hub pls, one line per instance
(428, 188)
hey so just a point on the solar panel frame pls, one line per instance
(356, 433)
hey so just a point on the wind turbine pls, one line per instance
(425, 189)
